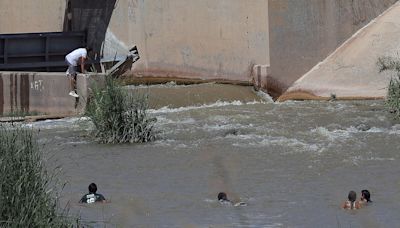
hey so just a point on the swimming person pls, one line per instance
(351, 203)
(223, 199)
(92, 196)
(365, 197)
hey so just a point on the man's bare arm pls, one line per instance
(83, 64)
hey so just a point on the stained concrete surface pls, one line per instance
(42, 93)
(351, 72)
(210, 39)
(29, 16)
(304, 32)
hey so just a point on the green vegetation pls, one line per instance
(119, 116)
(27, 191)
(393, 96)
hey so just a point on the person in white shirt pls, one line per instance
(73, 59)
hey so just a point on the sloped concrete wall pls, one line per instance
(351, 72)
(304, 32)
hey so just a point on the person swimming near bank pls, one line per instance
(92, 196)
(352, 202)
(223, 199)
(365, 197)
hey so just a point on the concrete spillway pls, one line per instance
(176, 96)
(351, 71)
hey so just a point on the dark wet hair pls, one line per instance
(352, 197)
(366, 195)
(92, 188)
(89, 49)
(222, 196)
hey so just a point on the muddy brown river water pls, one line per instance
(293, 163)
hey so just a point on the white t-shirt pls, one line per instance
(74, 56)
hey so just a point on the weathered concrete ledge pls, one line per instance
(172, 96)
(149, 80)
(43, 93)
(305, 95)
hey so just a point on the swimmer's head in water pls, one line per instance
(352, 196)
(365, 195)
(92, 188)
(222, 196)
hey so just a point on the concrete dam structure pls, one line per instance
(305, 32)
(351, 72)
(267, 43)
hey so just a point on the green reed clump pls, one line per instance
(27, 191)
(393, 93)
(119, 116)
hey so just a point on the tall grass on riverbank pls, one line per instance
(119, 116)
(393, 94)
(27, 193)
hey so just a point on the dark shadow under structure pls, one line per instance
(92, 16)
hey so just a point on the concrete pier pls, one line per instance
(42, 93)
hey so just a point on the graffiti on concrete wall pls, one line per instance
(132, 6)
(31, 92)
(37, 85)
